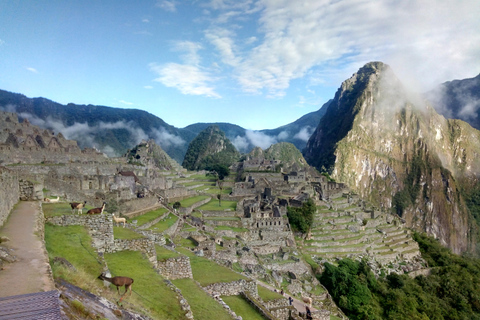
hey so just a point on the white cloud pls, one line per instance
(170, 6)
(304, 134)
(282, 135)
(148, 87)
(125, 102)
(145, 20)
(31, 69)
(188, 79)
(260, 139)
(325, 40)
(241, 143)
(166, 139)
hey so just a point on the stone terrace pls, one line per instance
(352, 231)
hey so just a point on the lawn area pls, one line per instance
(191, 201)
(267, 294)
(149, 216)
(223, 218)
(202, 305)
(164, 224)
(74, 244)
(242, 308)
(125, 234)
(207, 272)
(234, 229)
(149, 287)
(214, 190)
(56, 209)
(213, 205)
(164, 254)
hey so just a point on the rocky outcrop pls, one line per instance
(395, 150)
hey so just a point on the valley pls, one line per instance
(237, 234)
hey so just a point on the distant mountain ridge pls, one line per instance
(116, 130)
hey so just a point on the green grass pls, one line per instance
(213, 205)
(223, 218)
(202, 305)
(149, 216)
(214, 190)
(164, 224)
(207, 272)
(56, 209)
(191, 201)
(125, 234)
(267, 294)
(162, 302)
(74, 244)
(234, 229)
(242, 308)
(164, 254)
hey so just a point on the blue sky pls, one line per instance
(258, 64)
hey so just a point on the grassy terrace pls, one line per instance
(191, 201)
(234, 229)
(207, 272)
(242, 308)
(149, 216)
(164, 224)
(60, 209)
(213, 190)
(223, 218)
(125, 234)
(202, 305)
(162, 302)
(74, 244)
(164, 254)
(213, 205)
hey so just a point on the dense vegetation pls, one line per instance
(451, 291)
(301, 219)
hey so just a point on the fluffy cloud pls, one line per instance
(166, 139)
(304, 134)
(170, 6)
(326, 40)
(188, 79)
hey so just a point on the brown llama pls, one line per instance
(119, 282)
(97, 210)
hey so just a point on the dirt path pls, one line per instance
(31, 272)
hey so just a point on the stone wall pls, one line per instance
(9, 192)
(143, 245)
(189, 210)
(30, 190)
(175, 268)
(233, 288)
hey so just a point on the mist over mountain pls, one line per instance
(392, 147)
(115, 130)
(458, 99)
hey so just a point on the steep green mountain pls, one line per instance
(287, 153)
(458, 99)
(395, 150)
(210, 147)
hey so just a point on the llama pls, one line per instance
(78, 206)
(307, 300)
(119, 220)
(97, 210)
(119, 282)
(51, 200)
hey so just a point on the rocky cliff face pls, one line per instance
(210, 147)
(395, 150)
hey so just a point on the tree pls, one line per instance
(301, 219)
